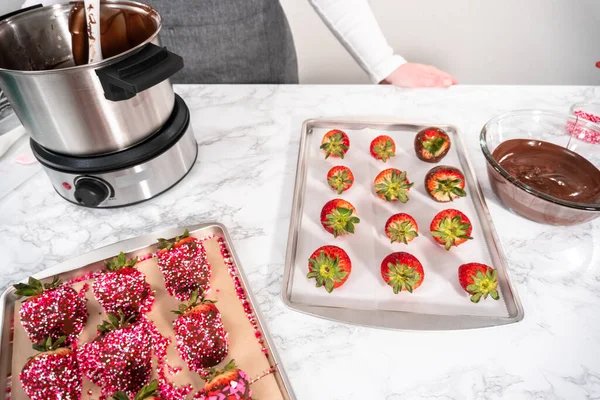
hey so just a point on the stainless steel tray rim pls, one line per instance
(142, 242)
(434, 322)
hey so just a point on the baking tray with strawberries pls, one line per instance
(390, 229)
(171, 318)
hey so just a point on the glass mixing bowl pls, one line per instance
(547, 126)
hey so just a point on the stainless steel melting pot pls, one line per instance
(87, 109)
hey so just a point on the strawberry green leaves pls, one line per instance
(392, 184)
(335, 144)
(195, 300)
(450, 188)
(146, 392)
(434, 145)
(168, 245)
(402, 232)
(34, 287)
(114, 323)
(403, 277)
(326, 270)
(120, 262)
(341, 220)
(451, 229)
(49, 345)
(484, 285)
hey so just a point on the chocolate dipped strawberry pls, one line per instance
(338, 217)
(123, 288)
(53, 374)
(445, 183)
(148, 392)
(451, 228)
(383, 148)
(52, 310)
(201, 338)
(330, 267)
(402, 271)
(432, 144)
(184, 266)
(392, 184)
(340, 178)
(401, 228)
(119, 358)
(230, 383)
(335, 144)
(479, 280)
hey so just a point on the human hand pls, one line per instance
(412, 75)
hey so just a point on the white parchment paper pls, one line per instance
(440, 293)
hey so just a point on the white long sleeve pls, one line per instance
(355, 26)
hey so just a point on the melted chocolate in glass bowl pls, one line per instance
(550, 169)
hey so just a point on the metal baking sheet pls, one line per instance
(421, 310)
(139, 246)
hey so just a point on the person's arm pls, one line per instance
(355, 26)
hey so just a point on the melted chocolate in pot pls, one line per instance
(120, 31)
(550, 169)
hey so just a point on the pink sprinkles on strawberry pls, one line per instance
(184, 266)
(52, 310)
(119, 359)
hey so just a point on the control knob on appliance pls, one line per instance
(90, 192)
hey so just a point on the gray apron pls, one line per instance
(229, 41)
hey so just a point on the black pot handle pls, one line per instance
(138, 72)
(17, 12)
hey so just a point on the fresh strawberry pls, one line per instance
(432, 144)
(451, 228)
(445, 183)
(401, 228)
(335, 143)
(479, 280)
(330, 266)
(230, 383)
(52, 310)
(338, 217)
(122, 287)
(119, 359)
(148, 392)
(383, 148)
(392, 184)
(184, 266)
(53, 374)
(402, 271)
(201, 338)
(340, 178)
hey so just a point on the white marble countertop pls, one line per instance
(248, 141)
